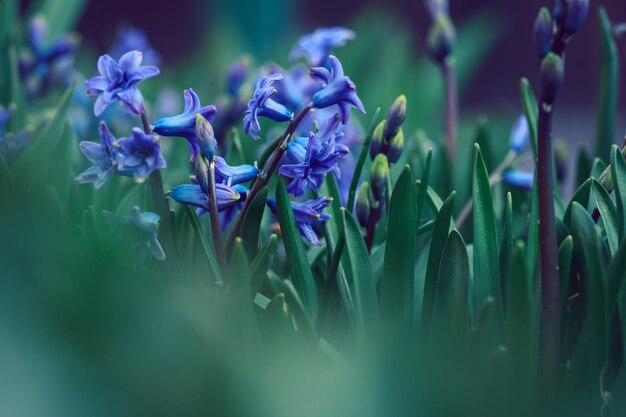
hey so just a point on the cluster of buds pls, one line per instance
(552, 32)
(385, 149)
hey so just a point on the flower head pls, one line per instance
(306, 215)
(322, 156)
(338, 89)
(233, 175)
(102, 155)
(519, 135)
(263, 105)
(317, 45)
(519, 179)
(144, 233)
(193, 195)
(184, 124)
(139, 155)
(131, 38)
(118, 82)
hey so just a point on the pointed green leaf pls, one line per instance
(618, 172)
(396, 298)
(529, 104)
(204, 242)
(297, 260)
(565, 265)
(262, 262)
(486, 268)
(506, 244)
(252, 223)
(608, 213)
(608, 94)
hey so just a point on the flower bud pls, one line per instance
(396, 146)
(551, 78)
(237, 74)
(543, 32)
(395, 116)
(378, 140)
(201, 171)
(575, 15)
(519, 135)
(519, 179)
(379, 176)
(205, 137)
(363, 205)
(441, 38)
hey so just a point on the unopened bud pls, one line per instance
(551, 78)
(205, 137)
(395, 116)
(378, 140)
(575, 15)
(543, 32)
(201, 171)
(363, 204)
(379, 176)
(396, 146)
(441, 38)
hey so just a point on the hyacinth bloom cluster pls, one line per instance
(142, 229)
(307, 215)
(321, 156)
(45, 63)
(136, 156)
(184, 124)
(317, 45)
(118, 82)
(262, 105)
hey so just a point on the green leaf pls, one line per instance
(44, 144)
(441, 230)
(262, 262)
(506, 244)
(608, 94)
(306, 329)
(486, 268)
(618, 172)
(583, 166)
(608, 212)
(9, 17)
(252, 223)
(396, 292)
(204, 242)
(565, 265)
(532, 252)
(581, 196)
(423, 187)
(529, 104)
(62, 15)
(450, 317)
(297, 261)
(276, 327)
(359, 274)
(356, 175)
(18, 119)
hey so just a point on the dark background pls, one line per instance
(175, 29)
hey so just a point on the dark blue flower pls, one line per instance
(317, 45)
(193, 195)
(237, 74)
(307, 215)
(233, 175)
(436, 7)
(228, 214)
(296, 87)
(102, 155)
(118, 82)
(322, 156)
(519, 135)
(519, 179)
(139, 155)
(338, 89)
(263, 105)
(45, 64)
(184, 124)
(144, 234)
(131, 38)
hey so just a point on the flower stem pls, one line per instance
(494, 178)
(266, 174)
(452, 106)
(549, 341)
(216, 230)
(158, 197)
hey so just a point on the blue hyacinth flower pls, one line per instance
(131, 38)
(118, 82)
(142, 229)
(193, 195)
(322, 155)
(262, 105)
(102, 155)
(184, 124)
(233, 175)
(307, 215)
(520, 135)
(317, 45)
(519, 179)
(338, 89)
(139, 155)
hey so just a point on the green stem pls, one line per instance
(216, 230)
(266, 174)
